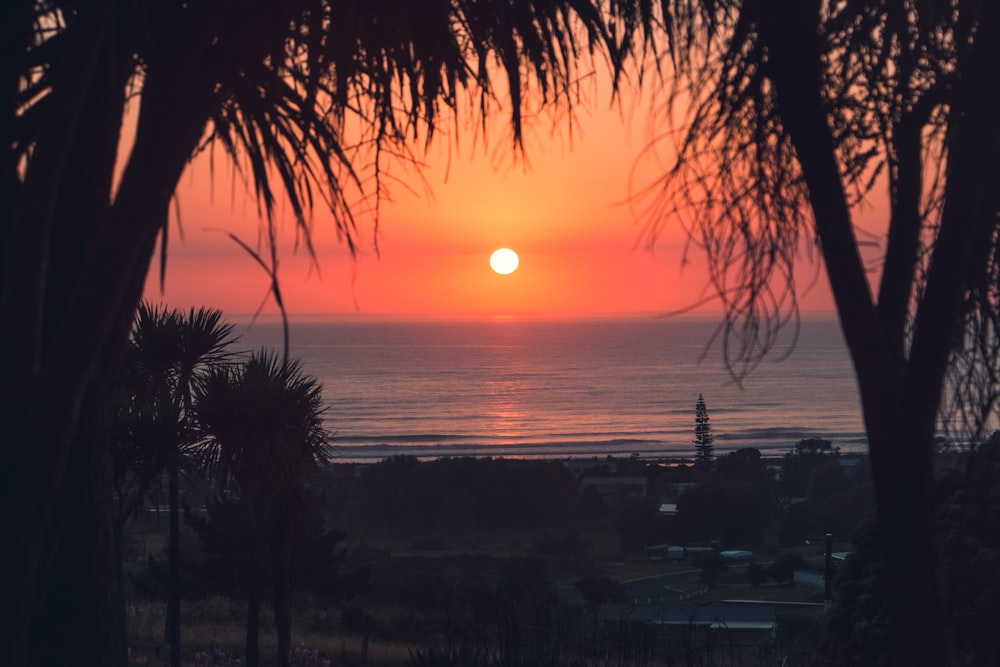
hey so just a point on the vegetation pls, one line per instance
(516, 587)
(308, 100)
(793, 114)
(504, 592)
(746, 499)
(265, 435)
(155, 428)
(463, 495)
(248, 433)
(253, 426)
(703, 438)
(967, 487)
(789, 118)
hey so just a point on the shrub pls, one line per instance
(216, 657)
(303, 657)
(782, 569)
(757, 574)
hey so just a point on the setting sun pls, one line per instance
(577, 224)
(504, 261)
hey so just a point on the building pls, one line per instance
(744, 626)
(699, 626)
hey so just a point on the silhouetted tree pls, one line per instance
(598, 590)
(265, 431)
(789, 116)
(969, 517)
(464, 494)
(797, 465)
(638, 525)
(225, 531)
(784, 566)
(274, 87)
(733, 511)
(703, 438)
(744, 465)
(711, 564)
(157, 434)
(857, 628)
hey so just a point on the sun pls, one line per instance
(504, 261)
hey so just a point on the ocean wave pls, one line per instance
(790, 433)
(565, 389)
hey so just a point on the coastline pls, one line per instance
(647, 451)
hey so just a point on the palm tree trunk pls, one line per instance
(253, 606)
(173, 620)
(281, 568)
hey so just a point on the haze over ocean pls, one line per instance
(563, 388)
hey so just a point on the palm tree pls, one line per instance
(265, 435)
(167, 351)
(271, 84)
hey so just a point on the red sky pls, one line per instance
(567, 215)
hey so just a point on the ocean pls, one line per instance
(563, 388)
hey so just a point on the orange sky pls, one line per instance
(567, 216)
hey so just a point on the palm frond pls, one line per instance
(264, 423)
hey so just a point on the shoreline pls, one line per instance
(588, 458)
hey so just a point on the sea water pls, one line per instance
(564, 388)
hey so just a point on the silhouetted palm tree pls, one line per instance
(282, 88)
(266, 438)
(167, 351)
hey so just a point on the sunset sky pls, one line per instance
(567, 215)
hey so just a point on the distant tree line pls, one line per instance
(464, 495)
(744, 498)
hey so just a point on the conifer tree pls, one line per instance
(703, 437)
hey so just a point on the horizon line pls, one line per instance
(817, 315)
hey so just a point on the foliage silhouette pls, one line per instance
(734, 503)
(639, 525)
(157, 434)
(798, 464)
(465, 495)
(265, 436)
(318, 553)
(789, 116)
(310, 100)
(703, 438)
(783, 567)
(967, 488)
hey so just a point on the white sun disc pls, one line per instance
(504, 261)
